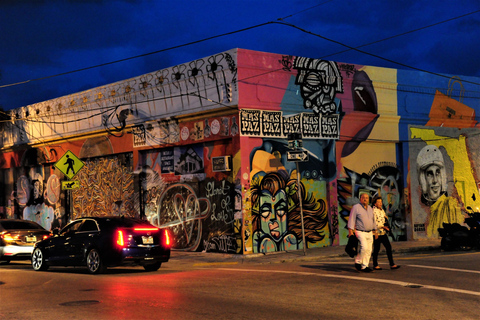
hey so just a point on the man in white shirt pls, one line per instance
(361, 223)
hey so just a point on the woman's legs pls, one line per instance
(388, 248)
(376, 250)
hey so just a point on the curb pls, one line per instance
(314, 254)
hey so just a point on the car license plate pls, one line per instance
(31, 239)
(147, 240)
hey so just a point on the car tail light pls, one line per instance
(46, 237)
(120, 238)
(167, 239)
(9, 237)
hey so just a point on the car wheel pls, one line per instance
(447, 244)
(38, 260)
(152, 267)
(94, 262)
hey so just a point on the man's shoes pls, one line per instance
(367, 269)
(377, 268)
(358, 266)
(394, 267)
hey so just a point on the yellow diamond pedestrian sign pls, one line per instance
(69, 164)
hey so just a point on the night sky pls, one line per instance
(44, 43)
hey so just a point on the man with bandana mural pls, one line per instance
(432, 177)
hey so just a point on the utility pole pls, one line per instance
(298, 155)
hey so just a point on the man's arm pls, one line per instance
(351, 221)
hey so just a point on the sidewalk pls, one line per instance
(211, 258)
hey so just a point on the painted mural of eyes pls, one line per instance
(265, 213)
(280, 213)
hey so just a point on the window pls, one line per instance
(71, 228)
(89, 225)
(20, 225)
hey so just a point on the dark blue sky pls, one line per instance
(44, 38)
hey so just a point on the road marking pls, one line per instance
(436, 255)
(393, 282)
(441, 268)
(213, 264)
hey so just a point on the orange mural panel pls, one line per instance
(448, 112)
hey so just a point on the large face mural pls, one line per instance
(444, 181)
(319, 81)
(444, 155)
(431, 174)
(276, 213)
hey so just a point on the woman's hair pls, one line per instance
(374, 200)
(314, 211)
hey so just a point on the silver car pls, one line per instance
(17, 238)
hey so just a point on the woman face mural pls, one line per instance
(276, 214)
(270, 200)
(273, 212)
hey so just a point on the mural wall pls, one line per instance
(349, 131)
(443, 151)
(182, 189)
(444, 177)
(35, 195)
(210, 150)
(106, 188)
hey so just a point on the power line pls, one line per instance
(138, 56)
(405, 33)
(279, 21)
(304, 10)
(103, 110)
(368, 53)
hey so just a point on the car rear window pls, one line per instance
(89, 225)
(124, 222)
(20, 225)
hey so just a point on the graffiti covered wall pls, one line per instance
(356, 124)
(182, 189)
(31, 187)
(233, 151)
(443, 178)
(443, 150)
(349, 131)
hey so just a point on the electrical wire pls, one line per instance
(404, 33)
(367, 53)
(342, 138)
(112, 110)
(279, 21)
(74, 109)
